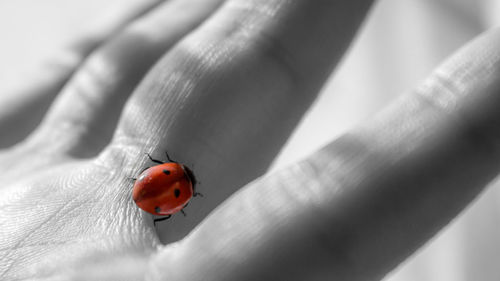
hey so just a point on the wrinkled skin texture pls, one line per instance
(231, 81)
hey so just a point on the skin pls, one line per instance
(232, 82)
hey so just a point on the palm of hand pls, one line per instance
(69, 208)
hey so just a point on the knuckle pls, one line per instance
(467, 96)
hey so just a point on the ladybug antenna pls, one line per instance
(168, 157)
(154, 160)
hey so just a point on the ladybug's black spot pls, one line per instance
(166, 172)
(177, 192)
(157, 209)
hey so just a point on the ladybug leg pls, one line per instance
(197, 194)
(182, 210)
(134, 179)
(154, 160)
(161, 219)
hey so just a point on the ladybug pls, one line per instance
(164, 189)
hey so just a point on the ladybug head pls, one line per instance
(190, 175)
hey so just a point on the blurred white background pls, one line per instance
(401, 42)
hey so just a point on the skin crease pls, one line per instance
(235, 86)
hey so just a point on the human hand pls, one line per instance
(225, 99)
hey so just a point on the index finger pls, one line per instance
(227, 97)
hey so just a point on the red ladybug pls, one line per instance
(164, 189)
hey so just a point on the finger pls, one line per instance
(361, 205)
(227, 97)
(82, 118)
(23, 105)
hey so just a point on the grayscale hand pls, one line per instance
(231, 79)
